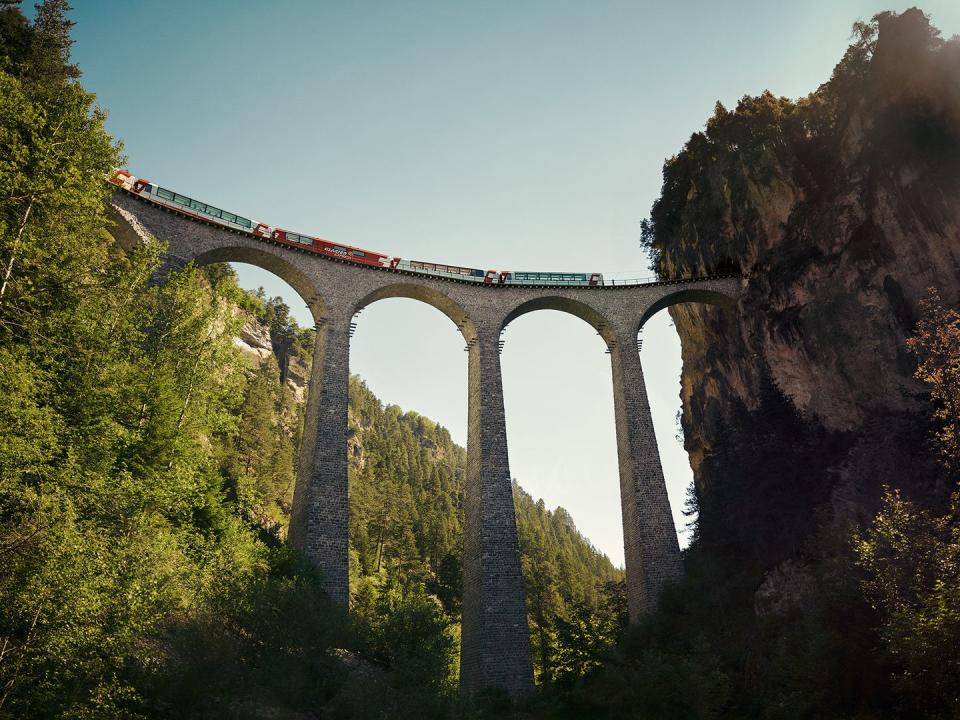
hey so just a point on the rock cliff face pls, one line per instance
(843, 208)
(255, 341)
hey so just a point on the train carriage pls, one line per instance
(208, 213)
(445, 269)
(555, 278)
(182, 203)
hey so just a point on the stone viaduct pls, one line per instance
(495, 636)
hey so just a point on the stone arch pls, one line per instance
(653, 550)
(550, 402)
(424, 294)
(567, 305)
(274, 263)
(698, 295)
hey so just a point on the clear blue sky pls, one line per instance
(512, 135)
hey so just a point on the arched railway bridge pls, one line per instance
(495, 637)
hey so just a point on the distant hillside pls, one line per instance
(406, 525)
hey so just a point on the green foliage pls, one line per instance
(409, 632)
(406, 536)
(117, 533)
(259, 463)
(910, 556)
(53, 156)
(911, 560)
(936, 342)
(125, 563)
(575, 604)
(37, 53)
(406, 480)
(587, 632)
(257, 642)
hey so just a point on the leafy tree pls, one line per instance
(117, 540)
(588, 633)
(911, 558)
(936, 341)
(48, 59)
(54, 154)
(567, 582)
(911, 554)
(260, 462)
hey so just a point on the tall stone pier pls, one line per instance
(495, 640)
(320, 515)
(495, 636)
(651, 549)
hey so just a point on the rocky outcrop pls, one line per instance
(843, 208)
(297, 377)
(255, 341)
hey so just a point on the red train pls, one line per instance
(208, 213)
(325, 247)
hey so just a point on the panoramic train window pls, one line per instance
(165, 194)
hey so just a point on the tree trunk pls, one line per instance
(8, 271)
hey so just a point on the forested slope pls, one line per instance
(406, 534)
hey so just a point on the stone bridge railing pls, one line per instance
(495, 636)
